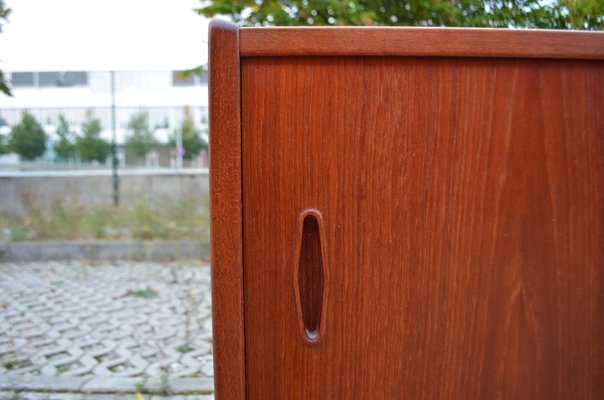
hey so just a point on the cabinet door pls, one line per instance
(456, 207)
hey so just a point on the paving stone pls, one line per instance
(192, 385)
(88, 396)
(42, 382)
(68, 396)
(115, 385)
(106, 324)
(189, 397)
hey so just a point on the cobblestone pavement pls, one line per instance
(101, 329)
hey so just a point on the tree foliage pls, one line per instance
(65, 146)
(556, 14)
(192, 141)
(4, 12)
(583, 14)
(4, 147)
(140, 139)
(27, 138)
(91, 146)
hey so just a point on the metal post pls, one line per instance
(179, 149)
(116, 184)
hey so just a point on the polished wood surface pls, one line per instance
(407, 41)
(463, 208)
(226, 212)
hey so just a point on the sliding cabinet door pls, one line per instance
(423, 228)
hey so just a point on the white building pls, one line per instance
(57, 55)
(163, 94)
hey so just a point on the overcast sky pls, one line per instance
(102, 35)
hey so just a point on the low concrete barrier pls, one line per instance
(23, 190)
(156, 250)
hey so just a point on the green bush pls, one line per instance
(27, 138)
(90, 145)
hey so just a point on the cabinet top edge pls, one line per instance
(413, 41)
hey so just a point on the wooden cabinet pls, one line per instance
(407, 213)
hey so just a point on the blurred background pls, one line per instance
(104, 216)
(105, 105)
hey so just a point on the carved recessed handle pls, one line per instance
(310, 278)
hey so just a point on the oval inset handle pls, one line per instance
(310, 278)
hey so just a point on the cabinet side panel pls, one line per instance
(462, 203)
(226, 213)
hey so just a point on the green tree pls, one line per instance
(140, 139)
(585, 14)
(65, 146)
(4, 12)
(27, 138)
(90, 145)
(4, 148)
(561, 14)
(192, 141)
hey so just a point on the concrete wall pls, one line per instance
(20, 191)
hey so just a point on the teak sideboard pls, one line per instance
(407, 213)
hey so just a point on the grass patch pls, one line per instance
(184, 348)
(62, 369)
(185, 219)
(143, 293)
(17, 364)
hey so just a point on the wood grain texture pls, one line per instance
(226, 212)
(406, 41)
(463, 207)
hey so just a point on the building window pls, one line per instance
(183, 79)
(46, 79)
(22, 79)
(203, 77)
(56, 78)
(75, 78)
